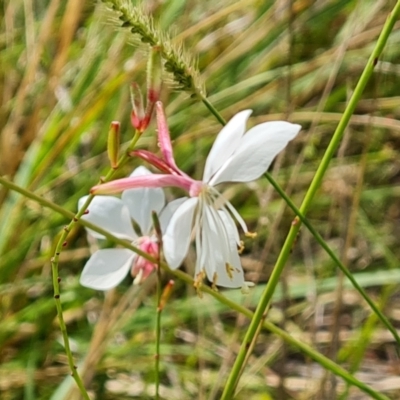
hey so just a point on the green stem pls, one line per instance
(212, 109)
(55, 261)
(299, 344)
(158, 331)
(290, 239)
(156, 224)
(333, 256)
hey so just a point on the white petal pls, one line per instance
(219, 255)
(199, 237)
(235, 277)
(107, 268)
(255, 152)
(214, 243)
(167, 212)
(142, 201)
(226, 143)
(177, 237)
(110, 214)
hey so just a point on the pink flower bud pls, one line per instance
(137, 114)
(142, 268)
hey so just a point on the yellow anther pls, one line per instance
(229, 269)
(214, 283)
(251, 234)
(198, 283)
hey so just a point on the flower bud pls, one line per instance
(154, 78)
(113, 143)
(140, 117)
(137, 114)
(141, 267)
(166, 294)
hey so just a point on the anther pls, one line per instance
(229, 269)
(214, 282)
(251, 234)
(198, 283)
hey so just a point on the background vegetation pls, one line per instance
(65, 75)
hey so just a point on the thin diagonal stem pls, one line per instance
(213, 110)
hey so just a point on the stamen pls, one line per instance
(214, 283)
(198, 283)
(229, 269)
(230, 207)
(251, 234)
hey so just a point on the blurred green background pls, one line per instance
(65, 70)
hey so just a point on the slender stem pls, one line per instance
(158, 331)
(55, 260)
(212, 109)
(291, 237)
(156, 224)
(299, 344)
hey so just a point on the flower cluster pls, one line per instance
(205, 216)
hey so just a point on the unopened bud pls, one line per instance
(166, 294)
(140, 117)
(137, 114)
(113, 143)
(154, 78)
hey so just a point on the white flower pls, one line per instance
(236, 156)
(106, 268)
